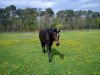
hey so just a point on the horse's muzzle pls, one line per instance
(57, 44)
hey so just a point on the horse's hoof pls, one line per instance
(50, 61)
(44, 52)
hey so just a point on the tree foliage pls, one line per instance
(30, 19)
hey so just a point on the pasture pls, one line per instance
(78, 54)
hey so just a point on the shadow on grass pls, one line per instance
(55, 52)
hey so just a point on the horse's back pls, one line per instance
(45, 34)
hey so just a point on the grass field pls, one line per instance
(78, 54)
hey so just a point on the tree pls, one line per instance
(61, 15)
(48, 17)
(29, 19)
(41, 18)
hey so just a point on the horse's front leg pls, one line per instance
(49, 52)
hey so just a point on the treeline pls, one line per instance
(31, 19)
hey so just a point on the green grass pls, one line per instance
(78, 54)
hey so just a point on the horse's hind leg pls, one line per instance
(43, 47)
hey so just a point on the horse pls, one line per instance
(47, 37)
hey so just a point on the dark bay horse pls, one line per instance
(47, 36)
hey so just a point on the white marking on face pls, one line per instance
(57, 34)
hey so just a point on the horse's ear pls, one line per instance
(58, 30)
(54, 29)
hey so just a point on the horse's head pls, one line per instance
(56, 36)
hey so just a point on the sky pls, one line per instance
(56, 5)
